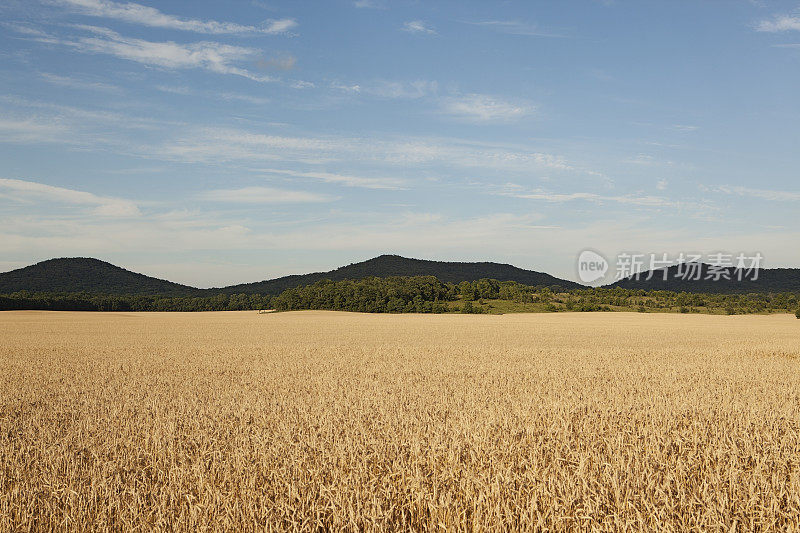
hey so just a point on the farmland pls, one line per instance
(314, 419)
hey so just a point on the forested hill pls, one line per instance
(394, 265)
(728, 280)
(80, 274)
(84, 274)
(74, 275)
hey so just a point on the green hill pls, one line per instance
(80, 274)
(768, 280)
(84, 274)
(394, 265)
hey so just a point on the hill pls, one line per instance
(768, 280)
(84, 274)
(394, 265)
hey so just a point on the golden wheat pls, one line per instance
(321, 420)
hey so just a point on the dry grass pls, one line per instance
(333, 420)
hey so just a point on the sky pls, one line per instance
(213, 143)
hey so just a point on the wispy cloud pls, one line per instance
(26, 191)
(418, 26)
(21, 130)
(255, 100)
(764, 194)
(341, 179)
(75, 83)
(216, 145)
(395, 89)
(514, 27)
(149, 16)
(390, 89)
(637, 200)
(642, 160)
(264, 195)
(779, 24)
(485, 108)
(278, 62)
(369, 4)
(228, 96)
(214, 57)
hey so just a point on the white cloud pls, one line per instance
(418, 26)
(229, 96)
(350, 181)
(74, 83)
(300, 84)
(395, 89)
(263, 195)
(211, 56)
(30, 131)
(779, 23)
(764, 194)
(183, 91)
(637, 200)
(485, 108)
(348, 88)
(22, 190)
(278, 62)
(662, 185)
(255, 100)
(390, 89)
(514, 27)
(217, 145)
(368, 4)
(641, 159)
(149, 16)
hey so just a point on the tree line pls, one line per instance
(419, 294)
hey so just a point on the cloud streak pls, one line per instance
(149, 16)
(263, 195)
(779, 24)
(26, 191)
(418, 26)
(211, 56)
(74, 83)
(207, 145)
(513, 27)
(340, 179)
(485, 108)
(764, 194)
(641, 200)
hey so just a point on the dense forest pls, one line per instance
(386, 266)
(708, 279)
(87, 275)
(84, 301)
(420, 294)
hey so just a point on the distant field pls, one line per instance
(313, 419)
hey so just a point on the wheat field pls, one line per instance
(339, 421)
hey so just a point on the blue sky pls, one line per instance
(211, 143)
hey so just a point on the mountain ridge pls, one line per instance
(394, 265)
(86, 274)
(713, 279)
(83, 274)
